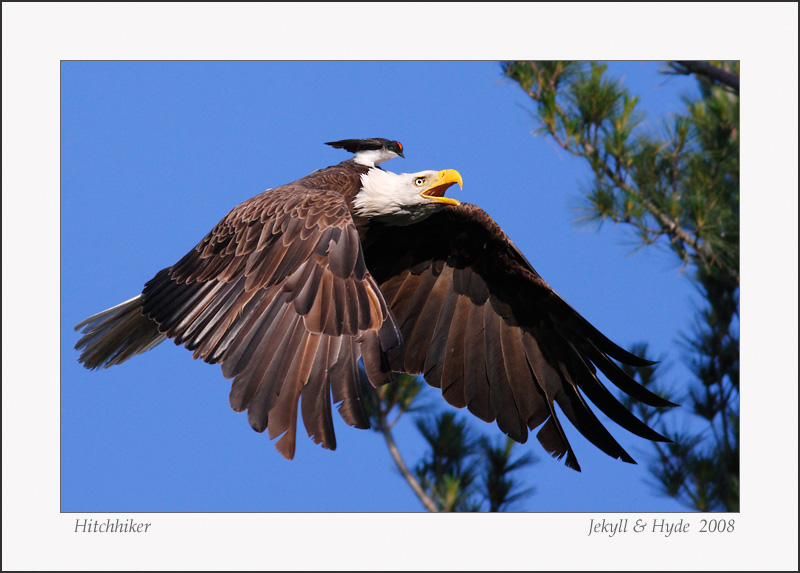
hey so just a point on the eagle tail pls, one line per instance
(116, 334)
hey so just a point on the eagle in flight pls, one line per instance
(293, 286)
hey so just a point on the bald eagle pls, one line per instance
(292, 287)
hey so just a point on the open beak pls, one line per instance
(436, 191)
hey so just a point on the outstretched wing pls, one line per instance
(481, 324)
(279, 294)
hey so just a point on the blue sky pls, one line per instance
(155, 153)
(127, 167)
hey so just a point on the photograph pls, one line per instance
(404, 212)
(401, 286)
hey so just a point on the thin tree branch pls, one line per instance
(669, 225)
(710, 71)
(401, 465)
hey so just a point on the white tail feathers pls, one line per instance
(116, 334)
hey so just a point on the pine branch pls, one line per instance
(386, 430)
(700, 68)
(669, 225)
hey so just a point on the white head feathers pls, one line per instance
(401, 199)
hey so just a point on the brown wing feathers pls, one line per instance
(279, 294)
(491, 333)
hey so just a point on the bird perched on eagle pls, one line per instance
(296, 284)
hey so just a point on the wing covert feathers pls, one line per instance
(287, 311)
(279, 294)
(495, 338)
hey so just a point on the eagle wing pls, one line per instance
(278, 293)
(479, 323)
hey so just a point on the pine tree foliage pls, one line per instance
(677, 187)
(501, 490)
(461, 469)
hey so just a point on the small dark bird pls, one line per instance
(293, 286)
(372, 151)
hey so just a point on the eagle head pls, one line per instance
(404, 198)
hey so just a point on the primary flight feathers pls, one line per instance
(293, 286)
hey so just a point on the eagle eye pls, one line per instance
(419, 181)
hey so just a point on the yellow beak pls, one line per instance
(446, 178)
